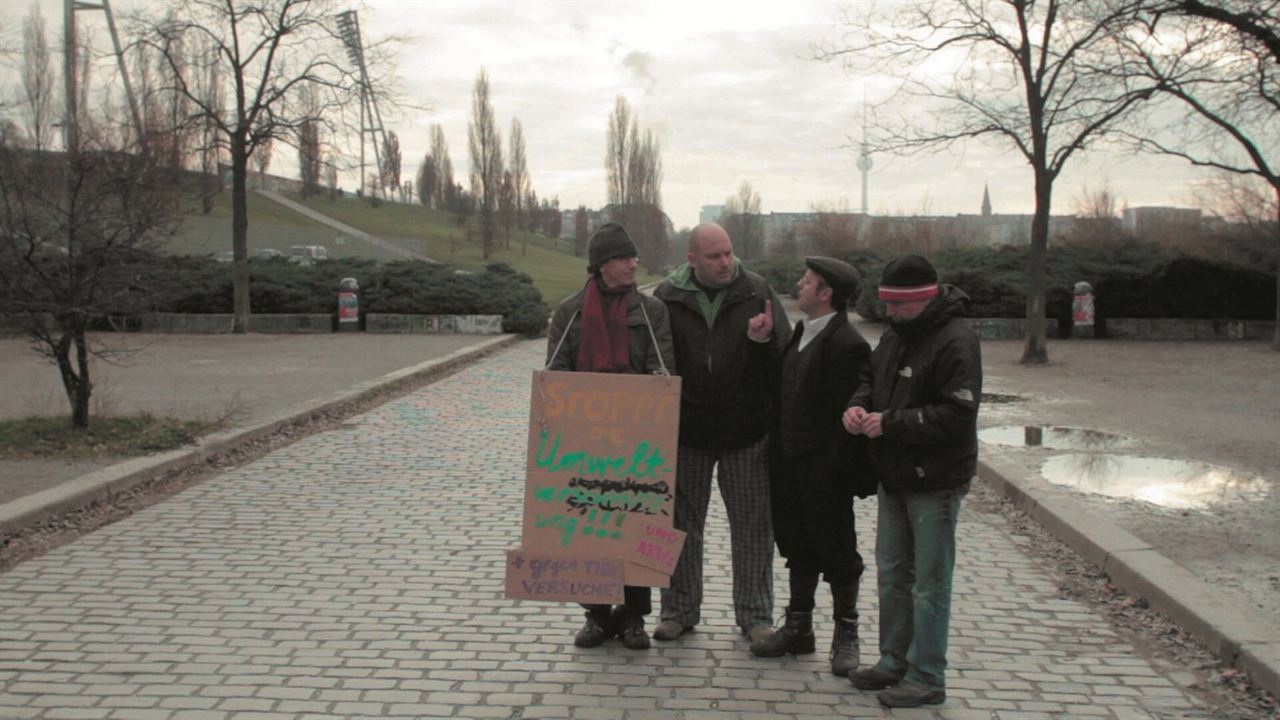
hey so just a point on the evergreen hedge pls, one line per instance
(186, 284)
(1131, 280)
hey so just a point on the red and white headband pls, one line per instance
(907, 294)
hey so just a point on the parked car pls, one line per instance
(307, 254)
(225, 257)
(265, 253)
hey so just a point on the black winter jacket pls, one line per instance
(727, 387)
(814, 386)
(925, 377)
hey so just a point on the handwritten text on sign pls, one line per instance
(602, 452)
(563, 578)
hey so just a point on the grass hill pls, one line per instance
(433, 233)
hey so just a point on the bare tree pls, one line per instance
(486, 160)
(37, 80)
(331, 176)
(262, 160)
(633, 183)
(310, 157)
(519, 166)
(208, 87)
(74, 229)
(1247, 208)
(428, 178)
(265, 52)
(1035, 75)
(831, 232)
(443, 165)
(391, 162)
(741, 218)
(617, 157)
(581, 230)
(644, 209)
(507, 207)
(1219, 63)
(1097, 217)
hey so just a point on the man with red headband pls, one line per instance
(917, 403)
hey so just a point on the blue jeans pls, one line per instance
(915, 556)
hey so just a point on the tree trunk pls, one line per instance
(1275, 338)
(76, 385)
(1036, 347)
(239, 233)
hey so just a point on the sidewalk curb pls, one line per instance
(1227, 629)
(101, 485)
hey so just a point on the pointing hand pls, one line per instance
(760, 326)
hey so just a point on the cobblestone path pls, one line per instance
(359, 573)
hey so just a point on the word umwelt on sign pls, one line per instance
(600, 479)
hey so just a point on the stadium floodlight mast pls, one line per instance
(71, 127)
(370, 116)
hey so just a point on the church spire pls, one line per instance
(986, 201)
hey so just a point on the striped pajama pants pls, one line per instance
(743, 477)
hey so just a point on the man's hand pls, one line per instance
(871, 425)
(761, 326)
(853, 419)
(857, 421)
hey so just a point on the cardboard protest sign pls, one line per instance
(600, 467)
(539, 576)
(656, 547)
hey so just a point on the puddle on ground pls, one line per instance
(1054, 438)
(1162, 481)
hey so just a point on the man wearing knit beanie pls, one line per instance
(610, 327)
(609, 241)
(918, 408)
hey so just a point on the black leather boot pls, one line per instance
(844, 643)
(795, 637)
(598, 628)
(844, 647)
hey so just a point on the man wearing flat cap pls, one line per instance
(918, 405)
(816, 467)
(609, 326)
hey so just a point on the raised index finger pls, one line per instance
(768, 307)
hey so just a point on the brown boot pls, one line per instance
(844, 647)
(795, 637)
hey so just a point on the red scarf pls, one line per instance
(602, 346)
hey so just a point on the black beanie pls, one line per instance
(609, 241)
(908, 277)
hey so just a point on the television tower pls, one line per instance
(864, 161)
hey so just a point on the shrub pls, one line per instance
(200, 285)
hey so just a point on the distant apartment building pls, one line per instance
(1169, 226)
(711, 213)
(596, 218)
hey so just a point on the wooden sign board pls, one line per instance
(601, 467)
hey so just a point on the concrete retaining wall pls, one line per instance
(202, 323)
(461, 324)
(1007, 328)
(292, 323)
(1179, 329)
(322, 323)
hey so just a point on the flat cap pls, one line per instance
(839, 275)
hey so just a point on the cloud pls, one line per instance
(637, 63)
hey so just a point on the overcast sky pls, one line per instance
(727, 88)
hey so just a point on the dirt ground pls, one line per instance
(1213, 403)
